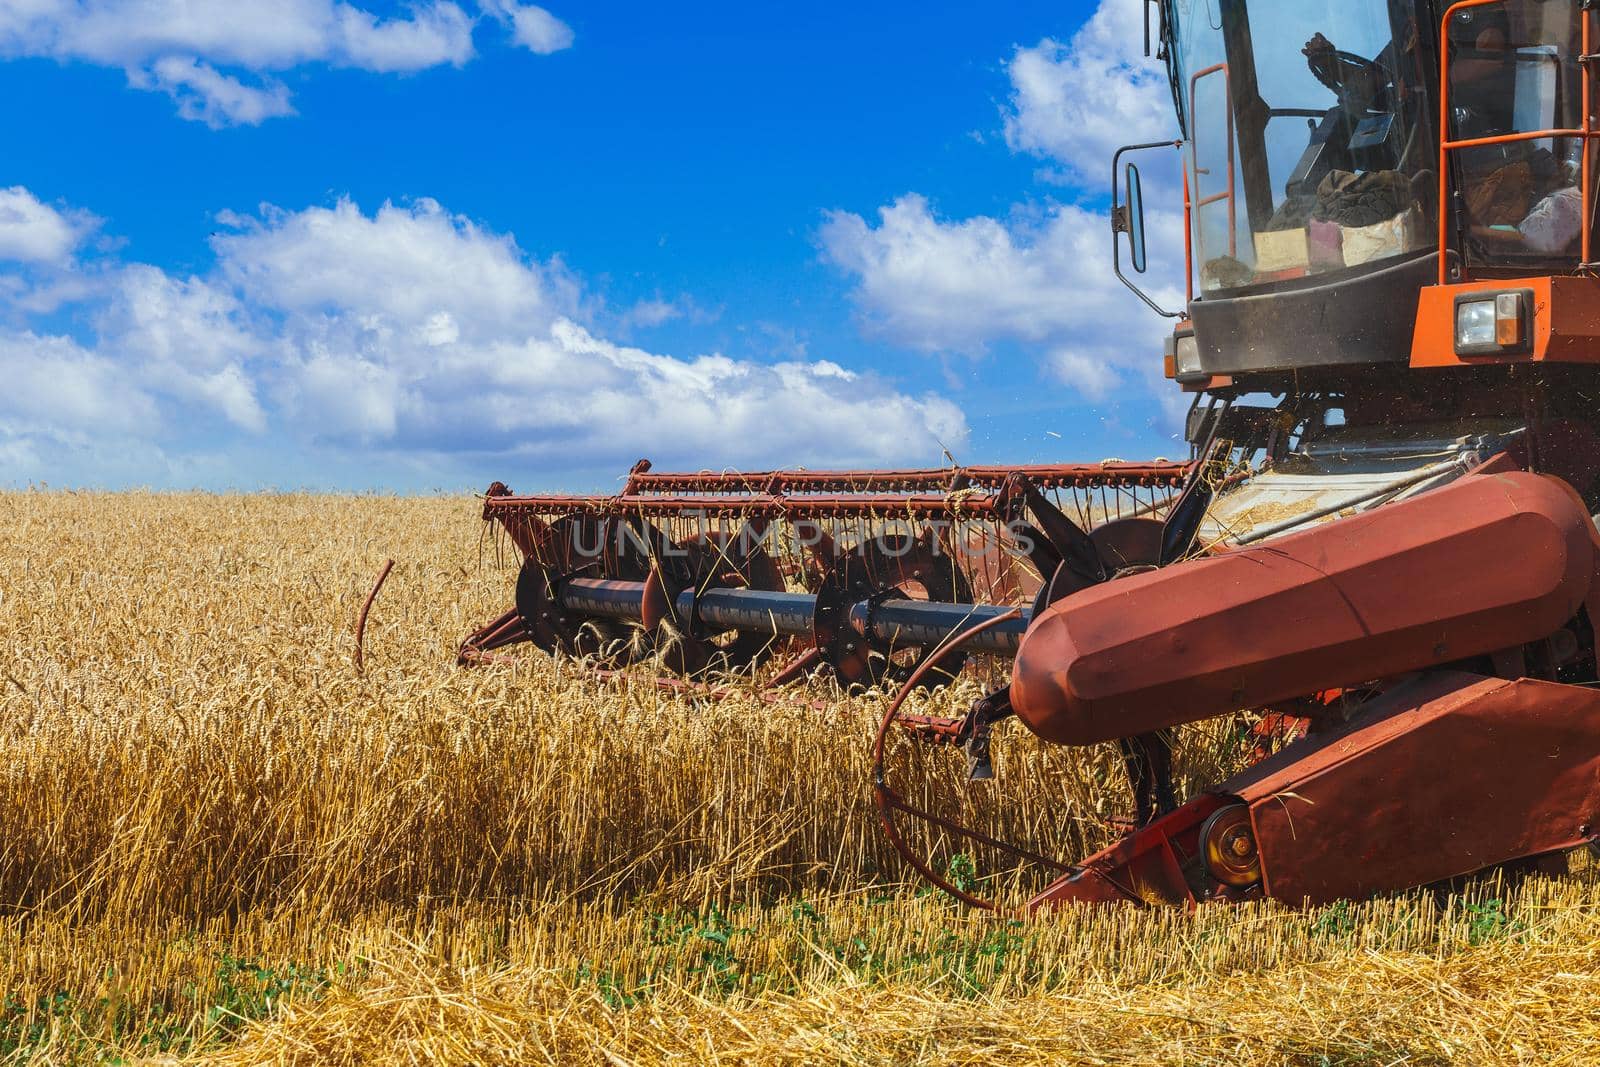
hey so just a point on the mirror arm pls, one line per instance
(1121, 223)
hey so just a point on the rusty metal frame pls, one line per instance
(1111, 474)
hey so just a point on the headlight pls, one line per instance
(1494, 323)
(1188, 356)
(1475, 324)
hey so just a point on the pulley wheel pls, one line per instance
(709, 561)
(1125, 546)
(584, 545)
(549, 626)
(1229, 843)
(887, 567)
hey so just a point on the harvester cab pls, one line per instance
(1383, 538)
(1342, 159)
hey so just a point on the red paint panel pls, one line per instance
(1444, 775)
(1486, 563)
(1146, 867)
(1447, 776)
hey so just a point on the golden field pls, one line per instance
(219, 841)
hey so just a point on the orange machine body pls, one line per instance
(1565, 326)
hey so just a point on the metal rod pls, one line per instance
(923, 624)
(361, 623)
(810, 506)
(1585, 44)
(892, 623)
(1414, 478)
(784, 614)
(831, 492)
(759, 483)
(604, 598)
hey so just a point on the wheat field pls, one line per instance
(220, 841)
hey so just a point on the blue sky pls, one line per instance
(313, 243)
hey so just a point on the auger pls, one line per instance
(1384, 534)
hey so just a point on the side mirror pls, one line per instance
(1134, 198)
(1127, 217)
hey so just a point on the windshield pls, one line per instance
(1516, 71)
(1310, 147)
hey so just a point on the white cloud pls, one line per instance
(653, 312)
(1078, 103)
(713, 410)
(436, 34)
(415, 329)
(56, 389)
(343, 395)
(186, 338)
(414, 337)
(957, 285)
(36, 233)
(532, 26)
(216, 59)
(440, 329)
(1091, 377)
(253, 34)
(204, 94)
(402, 267)
(1041, 277)
(960, 285)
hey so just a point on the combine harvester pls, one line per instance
(1385, 534)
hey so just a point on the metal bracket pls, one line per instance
(986, 711)
(1182, 527)
(1065, 537)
